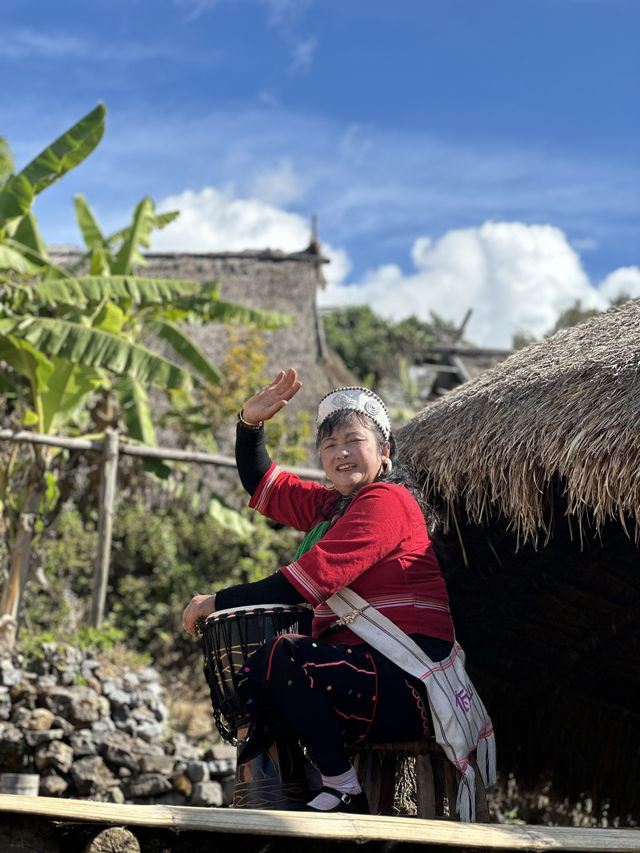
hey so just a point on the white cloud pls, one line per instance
(625, 280)
(213, 221)
(25, 43)
(279, 185)
(513, 276)
(31, 44)
(302, 55)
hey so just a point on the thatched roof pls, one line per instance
(566, 408)
(535, 465)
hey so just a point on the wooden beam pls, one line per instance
(356, 829)
(144, 450)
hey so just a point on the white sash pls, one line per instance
(461, 722)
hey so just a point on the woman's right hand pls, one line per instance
(270, 399)
(198, 608)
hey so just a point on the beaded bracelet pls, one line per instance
(246, 424)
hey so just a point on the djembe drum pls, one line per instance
(276, 778)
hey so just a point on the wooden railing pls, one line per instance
(111, 449)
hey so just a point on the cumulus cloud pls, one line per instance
(215, 221)
(623, 281)
(514, 277)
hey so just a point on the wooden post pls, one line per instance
(21, 551)
(105, 526)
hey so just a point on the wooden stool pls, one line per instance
(436, 778)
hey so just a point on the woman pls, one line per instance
(365, 532)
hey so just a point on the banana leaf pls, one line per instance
(66, 152)
(82, 291)
(91, 233)
(15, 200)
(95, 348)
(183, 345)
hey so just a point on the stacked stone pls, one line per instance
(92, 730)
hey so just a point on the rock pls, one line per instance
(220, 750)
(9, 674)
(178, 745)
(102, 727)
(39, 719)
(82, 743)
(91, 776)
(120, 698)
(80, 705)
(198, 771)
(5, 703)
(147, 785)
(23, 695)
(54, 754)
(100, 739)
(115, 795)
(60, 723)
(118, 751)
(35, 739)
(206, 794)
(149, 731)
(157, 764)
(182, 784)
(222, 766)
(52, 785)
(12, 747)
(173, 798)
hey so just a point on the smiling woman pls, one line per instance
(364, 533)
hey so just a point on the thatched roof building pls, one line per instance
(534, 466)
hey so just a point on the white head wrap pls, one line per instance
(358, 400)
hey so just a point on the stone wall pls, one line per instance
(89, 729)
(267, 280)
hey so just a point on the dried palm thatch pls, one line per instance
(544, 444)
(565, 410)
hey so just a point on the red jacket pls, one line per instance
(379, 547)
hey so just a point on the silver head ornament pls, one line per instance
(358, 400)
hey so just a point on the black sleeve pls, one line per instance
(252, 457)
(275, 589)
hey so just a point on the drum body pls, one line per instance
(276, 778)
(229, 637)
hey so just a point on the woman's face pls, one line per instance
(351, 457)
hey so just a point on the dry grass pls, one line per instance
(565, 410)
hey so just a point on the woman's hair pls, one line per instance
(402, 472)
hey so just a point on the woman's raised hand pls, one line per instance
(272, 398)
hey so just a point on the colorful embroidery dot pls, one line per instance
(329, 687)
(315, 645)
(289, 682)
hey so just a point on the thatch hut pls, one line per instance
(534, 466)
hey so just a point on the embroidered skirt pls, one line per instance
(328, 695)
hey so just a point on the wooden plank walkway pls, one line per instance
(355, 829)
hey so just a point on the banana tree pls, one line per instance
(64, 337)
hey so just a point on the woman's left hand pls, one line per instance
(199, 607)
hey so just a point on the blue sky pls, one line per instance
(458, 153)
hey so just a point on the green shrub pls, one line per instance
(159, 559)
